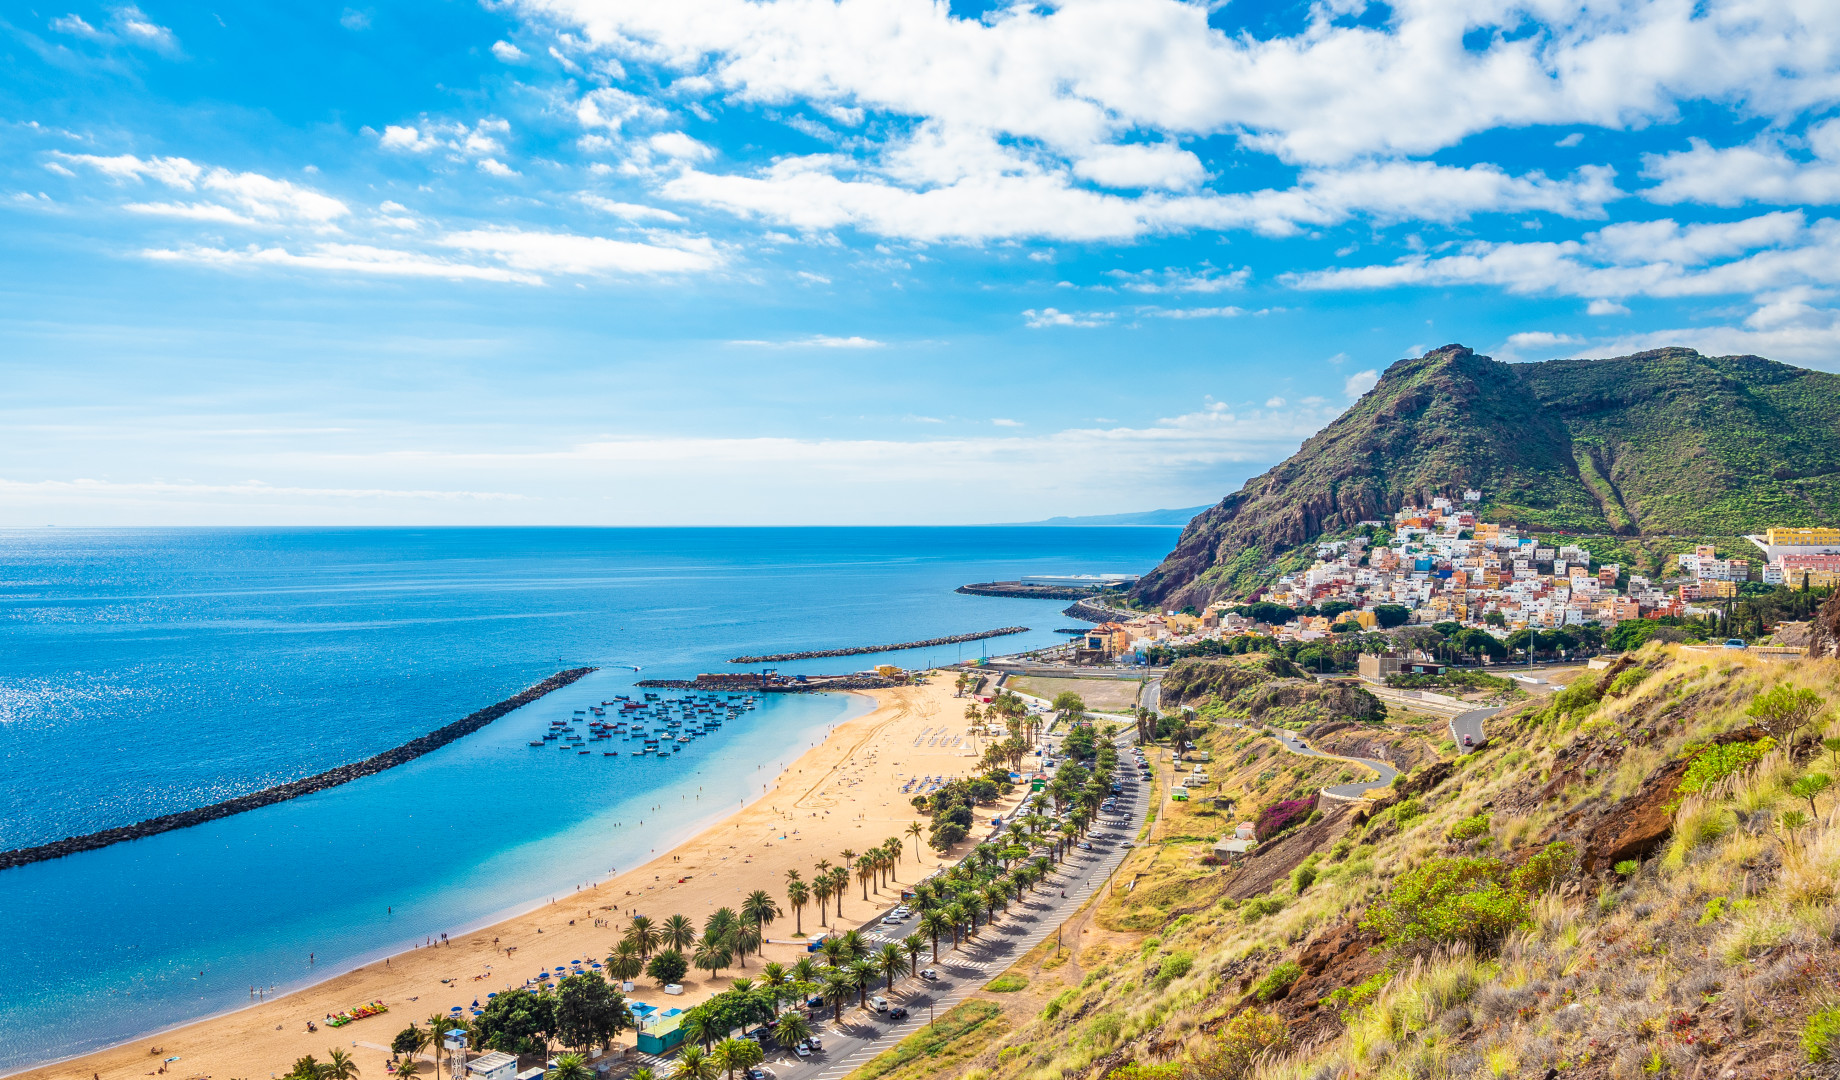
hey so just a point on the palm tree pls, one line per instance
(840, 884)
(821, 885)
(865, 869)
(855, 945)
(933, 924)
(862, 974)
(805, 970)
(570, 1067)
(791, 1028)
(732, 1054)
(625, 964)
(892, 962)
(955, 915)
(914, 830)
(643, 934)
(760, 909)
(643, 1073)
(822, 874)
(834, 950)
(973, 903)
(797, 894)
(995, 896)
(743, 939)
(837, 990)
(719, 922)
(437, 1023)
(679, 933)
(419, 1040)
(339, 1066)
(699, 1026)
(774, 974)
(712, 955)
(913, 945)
(407, 1068)
(693, 1063)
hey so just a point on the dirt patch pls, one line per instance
(1272, 863)
(1104, 695)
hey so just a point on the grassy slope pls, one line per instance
(1660, 983)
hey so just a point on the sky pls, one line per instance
(759, 262)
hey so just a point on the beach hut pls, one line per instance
(496, 1065)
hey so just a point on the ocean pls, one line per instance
(148, 671)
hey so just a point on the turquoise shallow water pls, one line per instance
(143, 672)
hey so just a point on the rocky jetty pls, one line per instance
(344, 774)
(1028, 592)
(860, 650)
(1098, 613)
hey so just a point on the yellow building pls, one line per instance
(1803, 537)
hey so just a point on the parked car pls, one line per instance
(899, 1012)
(801, 1050)
(879, 1003)
(814, 1043)
(1084, 846)
(928, 973)
(1735, 643)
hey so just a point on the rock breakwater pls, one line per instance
(773, 684)
(343, 774)
(860, 650)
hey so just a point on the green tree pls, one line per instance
(892, 963)
(306, 1067)
(791, 1028)
(1811, 787)
(570, 1067)
(836, 990)
(700, 1025)
(914, 830)
(712, 954)
(410, 1041)
(694, 1063)
(517, 1022)
(678, 933)
(797, 894)
(1069, 702)
(625, 964)
(1785, 709)
(407, 1068)
(589, 1012)
(913, 945)
(668, 966)
(643, 934)
(339, 1066)
(732, 1055)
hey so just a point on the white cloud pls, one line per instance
(353, 19)
(1172, 280)
(815, 279)
(675, 144)
(1605, 307)
(343, 259)
(483, 139)
(85, 489)
(1360, 383)
(1164, 166)
(245, 197)
(567, 253)
(1573, 139)
(629, 211)
(508, 52)
(1652, 258)
(134, 26)
(1762, 171)
(1274, 403)
(1001, 421)
(816, 341)
(1533, 340)
(76, 26)
(1228, 312)
(1047, 317)
(495, 167)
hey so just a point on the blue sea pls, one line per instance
(148, 671)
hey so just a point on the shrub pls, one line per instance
(1242, 1041)
(1279, 817)
(1714, 763)
(1302, 878)
(1408, 809)
(1474, 900)
(1353, 997)
(1260, 906)
(1820, 1035)
(1627, 868)
(1469, 828)
(1714, 908)
(1784, 709)
(1007, 983)
(1628, 681)
(1174, 966)
(1277, 980)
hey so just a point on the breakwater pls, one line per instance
(1098, 613)
(817, 654)
(343, 774)
(773, 684)
(1027, 592)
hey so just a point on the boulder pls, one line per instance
(1635, 827)
(1824, 629)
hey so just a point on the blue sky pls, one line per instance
(725, 262)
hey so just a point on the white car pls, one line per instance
(879, 1003)
(801, 1051)
(1084, 846)
(928, 973)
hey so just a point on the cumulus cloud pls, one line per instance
(1050, 317)
(482, 139)
(815, 341)
(1770, 169)
(629, 211)
(567, 253)
(1172, 280)
(1360, 383)
(508, 52)
(241, 197)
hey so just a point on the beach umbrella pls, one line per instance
(475, 1003)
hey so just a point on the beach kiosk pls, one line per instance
(660, 1032)
(496, 1065)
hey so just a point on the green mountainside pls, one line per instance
(1666, 442)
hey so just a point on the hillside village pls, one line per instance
(1440, 565)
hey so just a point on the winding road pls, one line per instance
(1470, 724)
(1297, 746)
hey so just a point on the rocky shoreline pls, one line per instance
(860, 650)
(1096, 613)
(331, 778)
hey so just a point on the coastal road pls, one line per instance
(862, 1033)
(1296, 745)
(1470, 724)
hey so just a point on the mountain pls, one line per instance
(1164, 518)
(1661, 442)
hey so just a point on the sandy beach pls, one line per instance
(843, 793)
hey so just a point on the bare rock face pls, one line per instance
(1635, 827)
(1824, 630)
